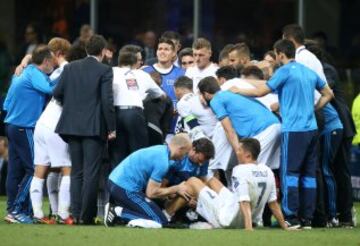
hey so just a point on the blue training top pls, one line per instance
(295, 85)
(134, 172)
(185, 169)
(248, 116)
(332, 120)
(26, 97)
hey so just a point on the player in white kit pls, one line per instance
(203, 66)
(192, 112)
(253, 185)
(51, 151)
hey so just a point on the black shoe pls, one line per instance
(293, 223)
(110, 215)
(306, 224)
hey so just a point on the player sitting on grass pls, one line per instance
(253, 185)
(195, 164)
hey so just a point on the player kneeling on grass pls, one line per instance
(253, 185)
(137, 180)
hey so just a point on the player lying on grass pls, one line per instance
(253, 185)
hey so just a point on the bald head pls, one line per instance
(179, 146)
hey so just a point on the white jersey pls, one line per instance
(190, 106)
(196, 74)
(130, 87)
(51, 115)
(308, 59)
(266, 100)
(254, 183)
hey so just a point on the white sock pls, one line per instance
(53, 191)
(118, 210)
(168, 216)
(64, 197)
(36, 196)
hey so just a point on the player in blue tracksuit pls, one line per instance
(330, 138)
(169, 73)
(138, 179)
(295, 85)
(24, 103)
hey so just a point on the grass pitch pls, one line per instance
(28, 235)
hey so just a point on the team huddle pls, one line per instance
(188, 141)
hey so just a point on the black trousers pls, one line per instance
(342, 176)
(86, 157)
(131, 134)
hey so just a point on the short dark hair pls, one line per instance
(185, 52)
(76, 52)
(171, 35)
(204, 146)
(208, 84)
(131, 48)
(95, 45)
(294, 31)
(184, 82)
(286, 47)
(224, 53)
(127, 58)
(253, 71)
(41, 53)
(270, 53)
(227, 72)
(167, 41)
(251, 145)
(242, 49)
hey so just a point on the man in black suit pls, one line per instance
(87, 121)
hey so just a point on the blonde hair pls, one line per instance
(201, 43)
(59, 45)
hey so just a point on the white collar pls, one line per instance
(300, 48)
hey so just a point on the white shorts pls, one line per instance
(49, 148)
(220, 210)
(270, 141)
(223, 149)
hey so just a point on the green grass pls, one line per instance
(29, 235)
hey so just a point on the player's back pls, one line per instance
(254, 183)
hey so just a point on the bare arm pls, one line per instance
(154, 190)
(230, 133)
(256, 82)
(246, 212)
(24, 62)
(259, 90)
(276, 211)
(326, 95)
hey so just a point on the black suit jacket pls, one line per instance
(85, 92)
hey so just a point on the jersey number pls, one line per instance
(262, 186)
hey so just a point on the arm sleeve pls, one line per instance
(272, 195)
(42, 83)
(152, 88)
(60, 87)
(218, 108)
(107, 99)
(320, 84)
(278, 79)
(160, 170)
(240, 187)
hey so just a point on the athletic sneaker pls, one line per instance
(293, 223)
(201, 226)
(23, 219)
(44, 220)
(9, 218)
(110, 215)
(68, 221)
(332, 223)
(306, 224)
(143, 223)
